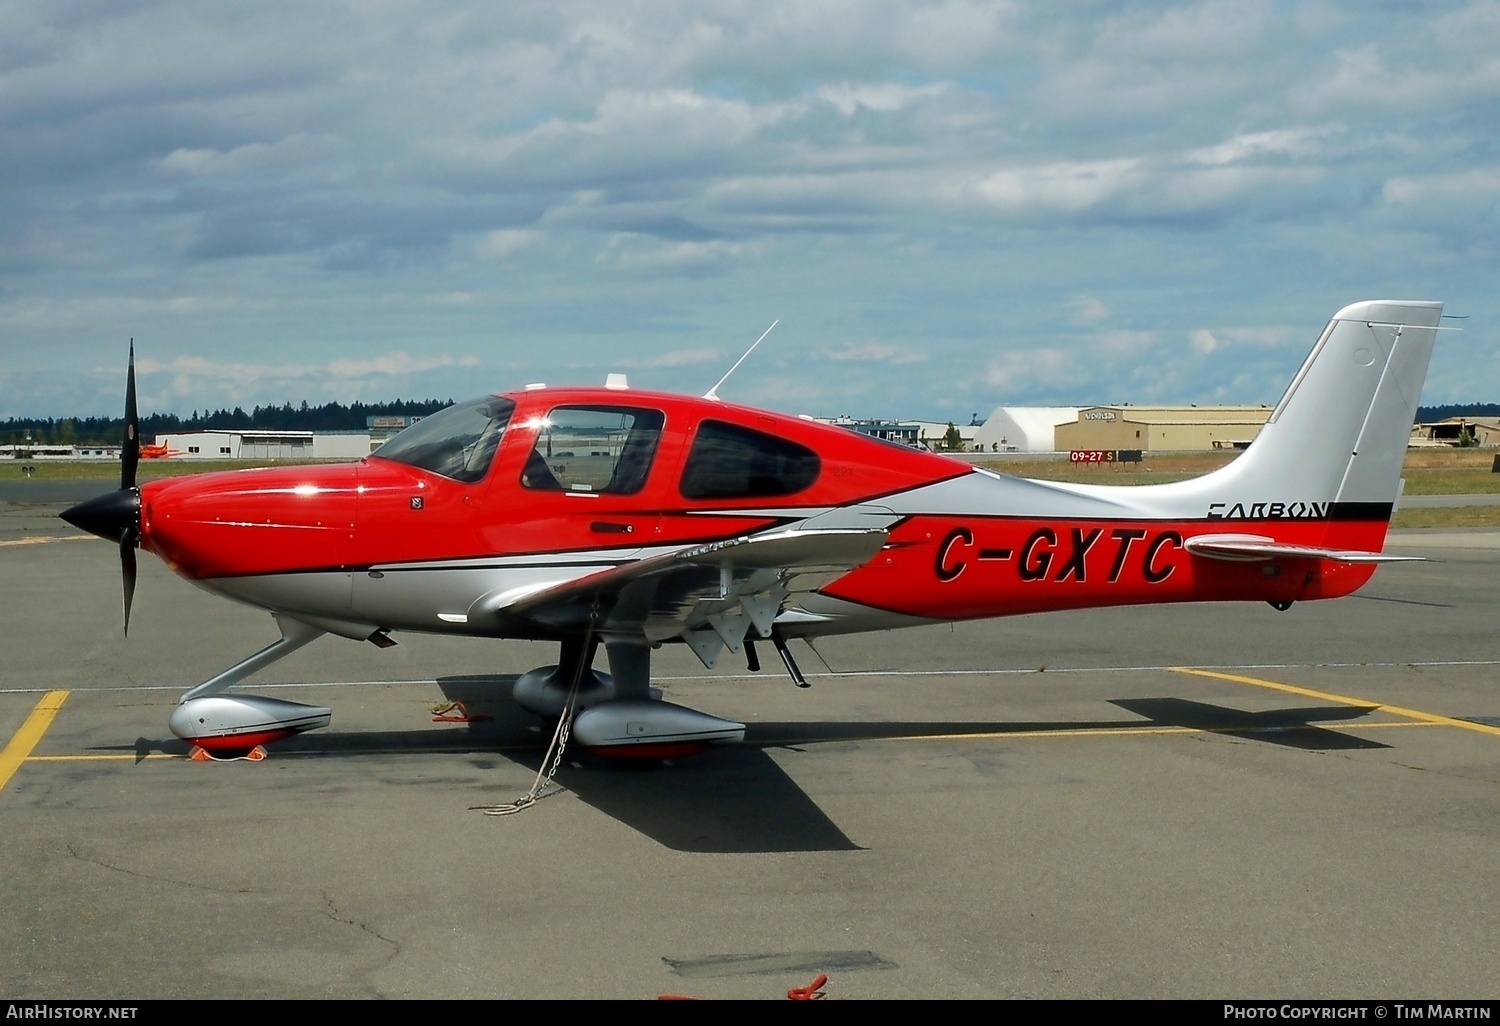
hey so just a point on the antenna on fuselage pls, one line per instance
(713, 393)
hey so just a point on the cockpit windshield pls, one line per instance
(459, 442)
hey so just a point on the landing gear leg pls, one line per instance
(636, 724)
(544, 691)
(230, 726)
(630, 669)
(619, 714)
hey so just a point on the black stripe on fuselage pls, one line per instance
(1263, 511)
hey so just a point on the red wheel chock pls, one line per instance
(447, 714)
(199, 754)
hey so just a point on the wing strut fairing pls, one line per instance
(710, 596)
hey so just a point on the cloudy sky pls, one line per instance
(949, 204)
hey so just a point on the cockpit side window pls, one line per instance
(728, 461)
(459, 442)
(600, 449)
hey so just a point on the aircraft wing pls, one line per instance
(1252, 548)
(710, 595)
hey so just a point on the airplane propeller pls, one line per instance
(117, 515)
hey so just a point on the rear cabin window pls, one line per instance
(732, 462)
(602, 449)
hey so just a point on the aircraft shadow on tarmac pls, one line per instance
(737, 799)
(1294, 728)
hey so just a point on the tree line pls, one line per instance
(1428, 414)
(286, 417)
(336, 416)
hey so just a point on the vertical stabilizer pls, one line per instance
(1340, 431)
(1337, 438)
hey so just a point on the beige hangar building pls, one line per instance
(1162, 428)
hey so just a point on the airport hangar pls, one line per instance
(1196, 428)
(1163, 428)
(1020, 429)
(269, 445)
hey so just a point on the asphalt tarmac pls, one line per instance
(1195, 801)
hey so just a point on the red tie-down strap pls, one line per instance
(812, 992)
(457, 712)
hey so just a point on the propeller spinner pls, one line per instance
(117, 515)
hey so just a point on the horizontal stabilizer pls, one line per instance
(1245, 548)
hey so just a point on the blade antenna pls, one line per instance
(713, 393)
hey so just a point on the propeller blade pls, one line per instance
(130, 451)
(117, 515)
(127, 571)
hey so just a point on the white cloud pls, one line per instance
(1271, 336)
(396, 365)
(639, 255)
(1472, 185)
(1363, 78)
(883, 96)
(498, 245)
(1124, 343)
(1039, 369)
(272, 159)
(1293, 142)
(193, 373)
(1060, 187)
(1205, 31)
(675, 358)
(875, 352)
(1087, 310)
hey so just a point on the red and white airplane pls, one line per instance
(636, 519)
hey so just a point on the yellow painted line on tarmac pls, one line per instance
(44, 538)
(1292, 689)
(988, 735)
(1001, 735)
(1117, 731)
(103, 758)
(997, 735)
(293, 754)
(25, 739)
